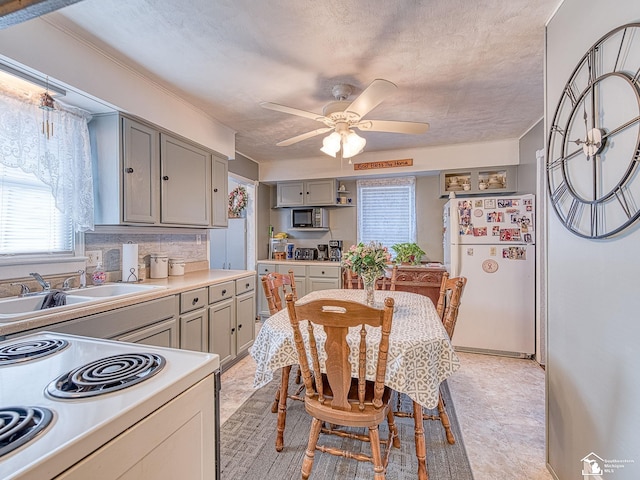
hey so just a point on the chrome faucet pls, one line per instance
(24, 289)
(45, 285)
(83, 281)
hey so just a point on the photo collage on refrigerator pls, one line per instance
(506, 219)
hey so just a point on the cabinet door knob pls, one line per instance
(195, 300)
(322, 272)
(233, 330)
(300, 193)
(224, 292)
(215, 189)
(239, 326)
(166, 177)
(246, 285)
(129, 170)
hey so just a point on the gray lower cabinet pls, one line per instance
(309, 278)
(194, 325)
(222, 316)
(152, 323)
(232, 316)
(163, 334)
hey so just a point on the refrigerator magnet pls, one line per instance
(490, 266)
(477, 212)
(490, 203)
(495, 230)
(480, 231)
(477, 203)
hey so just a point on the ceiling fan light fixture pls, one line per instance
(331, 144)
(352, 144)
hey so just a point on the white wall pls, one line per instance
(593, 378)
(468, 155)
(48, 50)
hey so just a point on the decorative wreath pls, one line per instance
(237, 201)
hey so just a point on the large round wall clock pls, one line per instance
(593, 146)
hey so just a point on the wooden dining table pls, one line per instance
(420, 354)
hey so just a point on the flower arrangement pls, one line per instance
(367, 260)
(237, 201)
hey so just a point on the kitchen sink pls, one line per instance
(18, 308)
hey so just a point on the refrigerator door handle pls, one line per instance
(454, 228)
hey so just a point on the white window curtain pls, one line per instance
(62, 161)
(387, 210)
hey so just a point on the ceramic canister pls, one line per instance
(159, 265)
(176, 266)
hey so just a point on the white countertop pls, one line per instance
(174, 285)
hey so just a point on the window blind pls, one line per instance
(386, 210)
(31, 223)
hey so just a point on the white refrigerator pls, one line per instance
(490, 241)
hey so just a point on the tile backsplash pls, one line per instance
(174, 245)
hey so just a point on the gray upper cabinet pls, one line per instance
(140, 173)
(310, 192)
(185, 182)
(219, 195)
(148, 176)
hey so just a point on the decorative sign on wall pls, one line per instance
(405, 162)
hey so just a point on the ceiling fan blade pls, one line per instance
(392, 126)
(372, 96)
(304, 136)
(292, 111)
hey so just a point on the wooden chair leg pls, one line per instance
(376, 455)
(276, 401)
(298, 375)
(282, 408)
(395, 439)
(314, 433)
(444, 419)
(421, 447)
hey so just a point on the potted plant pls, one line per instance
(408, 253)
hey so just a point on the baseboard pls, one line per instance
(500, 353)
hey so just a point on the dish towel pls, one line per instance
(54, 299)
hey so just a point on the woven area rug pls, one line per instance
(248, 451)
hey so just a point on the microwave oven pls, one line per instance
(310, 218)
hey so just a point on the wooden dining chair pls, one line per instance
(276, 286)
(333, 397)
(351, 280)
(449, 301)
(448, 304)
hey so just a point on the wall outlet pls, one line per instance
(94, 257)
(198, 239)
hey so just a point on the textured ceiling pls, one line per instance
(472, 69)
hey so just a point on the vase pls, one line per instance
(369, 281)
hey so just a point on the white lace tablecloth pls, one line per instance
(420, 352)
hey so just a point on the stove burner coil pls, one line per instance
(106, 375)
(32, 349)
(18, 425)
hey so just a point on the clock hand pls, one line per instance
(606, 135)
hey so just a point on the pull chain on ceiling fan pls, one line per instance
(342, 116)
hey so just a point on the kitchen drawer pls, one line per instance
(245, 284)
(324, 271)
(221, 291)
(264, 268)
(193, 299)
(298, 270)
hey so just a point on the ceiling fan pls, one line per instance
(342, 115)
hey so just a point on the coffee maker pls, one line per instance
(323, 252)
(335, 250)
